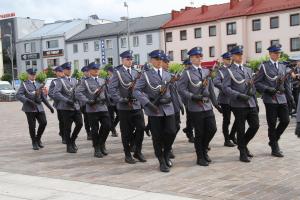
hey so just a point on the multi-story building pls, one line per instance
(255, 24)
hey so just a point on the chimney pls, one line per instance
(255, 2)
(188, 8)
(233, 3)
(204, 9)
(175, 14)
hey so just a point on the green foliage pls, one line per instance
(107, 66)
(23, 76)
(176, 68)
(77, 74)
(103, 73)
(6, 77)
(41, 77)
(284, 57)
(50, 73)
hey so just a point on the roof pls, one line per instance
(235, 8)
(53, 29)
(139, 24)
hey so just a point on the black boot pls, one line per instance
(40, 144)
(74, 146)
(201, 159)
(243, 155)
(63, 140)
(70, 148)
(275, 150)
(35, 145)
(162, 165)
(114, 133)
(228, 143)
(206, 157)
(171, 154)
(129, 159)
(139, 156)
(97, 152)
(249, 154)
(103, 150)
(169, 163)
(233, 139)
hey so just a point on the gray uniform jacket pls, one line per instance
(51, 90)
(218, 82)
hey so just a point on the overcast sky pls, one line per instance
(51, 10)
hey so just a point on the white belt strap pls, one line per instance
(125, 85)
(234, 79)
(199, 84)
(268, 77)
(148, 82)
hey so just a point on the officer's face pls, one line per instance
(165, 65)
(196, 59)
(94, 72)
(60, 74)
(86, 74)
(67, 72)
(275, 55)
(31, 77)
(238, 58)
(127, 62)
(156, 62)
(227, 61)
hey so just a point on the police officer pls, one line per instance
(59, 74)
(272, 82)
(224, 101)
(197, 87)
(31, 94)
(91, 92)
(159, 108)
(64, 93)
(188, 130)
(87, 126)
(129, 108)
(238, 84)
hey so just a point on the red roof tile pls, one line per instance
(235, 8)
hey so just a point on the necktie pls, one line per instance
(34, 84)
(275, 64)
(128, 70)
(241, 68)
(69, 79)
(158, 71)
(96, 79)
(200, 72)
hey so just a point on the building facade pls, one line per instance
(255, 24)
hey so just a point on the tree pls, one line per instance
(49, 72)
(6, 77)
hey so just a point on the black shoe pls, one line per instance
(206, 157)
(228, 143)
(277, 154)
(98, 153)
(114, 133)
(233, 139)
(74, 146)
(40, 144)
(70, 149)
(202, 162)
(275, 150)
(243, 156)
(103, 150)
(63, 140)
(132, 148)
(249, 154)
(163, 166)
(129, 159)
(171, 155)
(140, 157)
(35, 146)
(191, 139)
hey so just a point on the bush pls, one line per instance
(176, 68)
(103, 73)
(77, 74)
(50, 73)
(41, 77)
(107, 66)
(6, 77)
(23, 76)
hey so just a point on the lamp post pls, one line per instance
(128, 35)
(11, 57)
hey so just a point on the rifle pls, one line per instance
(130, 89)
(280, 81)
(100, 89)
(38, 93)
(205, 84)
(164, 89)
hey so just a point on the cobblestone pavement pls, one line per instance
(265, 177)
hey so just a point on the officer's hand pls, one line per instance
(152, 107)
(219, 109)
(243, 97)
(182, 110)
(124, 100)
(197, 97)
(271, 91)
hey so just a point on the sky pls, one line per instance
(52, 10)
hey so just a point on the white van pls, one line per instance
(7, 92)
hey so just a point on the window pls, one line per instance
(256, 25)
(258, 47)
(169, 37)
(230, 46)
(171, 55)
(212, 31)
(136, 41)
(76, 64)
(273, 42)
(86, 62)
(52, 44)
(33, 48)
(183, 35)
(136, 58)
(212, 51)
(110, 61)
(52, 62)
(27, 47)
(75, 48)
(34, 64)
(149, 39)
(198, 32)
(231, 28)
(97, 60)
(108, 44)
(85, 47)
(96, 45)
(295, 44)
(294, 20)
(274, 22)
(184, 54)
(27, 63)
(123, 42)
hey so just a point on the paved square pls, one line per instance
(265, 177)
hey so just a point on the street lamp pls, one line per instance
(11, 57)
(126, 6)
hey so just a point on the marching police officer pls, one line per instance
(59, 74)
(238, 84)
(130, 111)
(31, 94)
(272, 82)
(91, 92)
(87, 126)
(152, 90)
(224, 101)
(64, 93)
(197, 87)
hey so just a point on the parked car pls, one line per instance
(7, 92)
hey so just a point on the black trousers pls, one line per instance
(205, 129)
(87, 125)
(60, 123)
(177, 121)
(163, 131)
(99, 134)
(69, 117)
(243, 115)
(189, 124)
(296, 95)
(32, 117)
(274, 112)
(114, 116)
(226, 109)
(132, 122)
